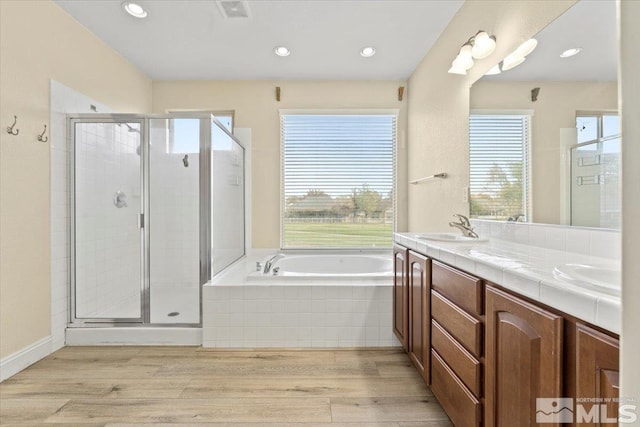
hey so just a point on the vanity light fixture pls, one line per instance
(477, 47)
(282, 51)
(134, 9)
(368, 51)
(571, 52)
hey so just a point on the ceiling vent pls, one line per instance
(233, 8)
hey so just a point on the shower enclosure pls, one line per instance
(157, 208)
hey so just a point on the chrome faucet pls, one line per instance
(270, 262)
(464, 226)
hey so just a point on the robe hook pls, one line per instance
(10, 129)
(41, 137)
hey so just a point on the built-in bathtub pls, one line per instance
(340, 266)
(316, 299)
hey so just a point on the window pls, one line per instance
(184, 132)
(499, 166)
(338, 180)
(592, 126)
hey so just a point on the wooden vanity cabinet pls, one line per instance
(488, 353)
(456, 343)
(523, 358)
(401, 295)
(597, 369)
(419, 312)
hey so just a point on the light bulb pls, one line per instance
(464, 58)
(483, 45)
(527, 47)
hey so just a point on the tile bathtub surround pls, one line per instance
(587, 241)
(528, 269)
(313, 315)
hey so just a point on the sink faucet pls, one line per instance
(270, 262)
(464, 226)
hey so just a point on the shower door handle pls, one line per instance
(141, 220)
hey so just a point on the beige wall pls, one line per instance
(555, 109)
(438, 124)
(255, 107)
(39, 42)
(629, 70)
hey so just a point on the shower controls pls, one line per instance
(120, 199)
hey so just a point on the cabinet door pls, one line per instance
(401, 295)
(523, 359)
(419, 313)
(597, 373)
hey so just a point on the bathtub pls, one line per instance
(317, 299)
(332, 266)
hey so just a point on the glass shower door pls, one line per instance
(175, 169)
(107, 204)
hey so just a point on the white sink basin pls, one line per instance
(603, 279)
(449, 237)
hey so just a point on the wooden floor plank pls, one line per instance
(301, 387)
(193, 410)
(33, 411)
(396, 369)
(386, 409)
(261, 369)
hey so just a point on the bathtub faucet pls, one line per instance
(270, 262)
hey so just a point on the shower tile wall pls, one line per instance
(64, 100)
(108, 239)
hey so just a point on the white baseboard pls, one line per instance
(16, 362)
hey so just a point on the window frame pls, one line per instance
(394, 185)
(527, 179)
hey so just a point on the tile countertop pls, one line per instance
(528, 270)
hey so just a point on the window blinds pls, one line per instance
(499, 172)
(337, 180)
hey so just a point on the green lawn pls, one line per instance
(340, 235)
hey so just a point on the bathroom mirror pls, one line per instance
(566, 108)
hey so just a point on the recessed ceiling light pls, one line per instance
(570, 52)
(134, 9)
(282, 51)
(368, 51)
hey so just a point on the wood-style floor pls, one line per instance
(97, 386)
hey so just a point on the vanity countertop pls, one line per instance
(529, 271)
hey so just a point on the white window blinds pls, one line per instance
(337, 180)
(499, 172)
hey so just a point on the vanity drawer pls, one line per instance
(466, 367)
(465, 328)
(459, 287)
(458, 402)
